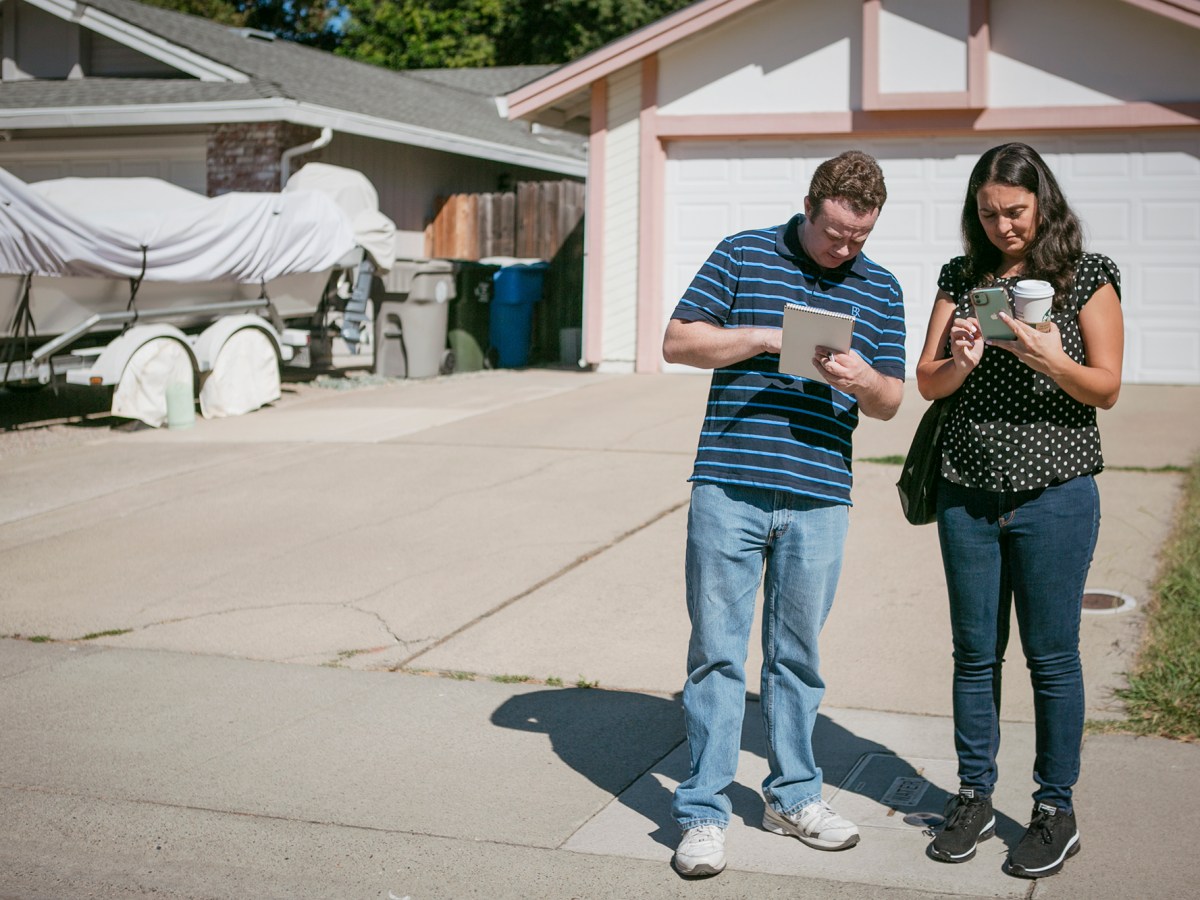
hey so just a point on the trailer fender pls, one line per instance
(208, 345)
(110, 364)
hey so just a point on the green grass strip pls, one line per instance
(1163, 696)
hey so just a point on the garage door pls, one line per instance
(179, 159)
(1139, 199)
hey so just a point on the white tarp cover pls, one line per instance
(158, 371)
(97, 227)
(244, 377)
(354, 193)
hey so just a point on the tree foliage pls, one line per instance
(315, 24)
(412, 34)
(562, 30)
(409, 34)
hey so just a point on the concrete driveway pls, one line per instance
(350, 645)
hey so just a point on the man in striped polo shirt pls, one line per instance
(771, 493)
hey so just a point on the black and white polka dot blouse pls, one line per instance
(1014, 429)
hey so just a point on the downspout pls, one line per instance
(285, 161)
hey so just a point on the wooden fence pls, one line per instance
(531, 222)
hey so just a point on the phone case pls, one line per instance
(987, 302)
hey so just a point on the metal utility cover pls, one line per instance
(888, 791)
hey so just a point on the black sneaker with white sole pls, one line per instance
(1050, 840)
(969, 820)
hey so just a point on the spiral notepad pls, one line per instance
(804, 329)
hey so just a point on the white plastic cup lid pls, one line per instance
(1032, 288)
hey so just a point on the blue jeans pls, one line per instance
(738, 538)
(1032, 547)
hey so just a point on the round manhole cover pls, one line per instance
(1105, 601)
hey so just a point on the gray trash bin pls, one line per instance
(412, 303)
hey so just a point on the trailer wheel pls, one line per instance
(244, 377)
(160, 366)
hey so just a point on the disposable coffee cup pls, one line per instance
(1032, 301)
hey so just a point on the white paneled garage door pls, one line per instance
(1139, 199)
(179, 159)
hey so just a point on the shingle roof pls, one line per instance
(489, 82)
(128, 91)
(455, 102)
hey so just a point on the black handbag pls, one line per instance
(923, 465)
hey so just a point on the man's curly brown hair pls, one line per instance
(854, 177)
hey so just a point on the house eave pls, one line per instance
(1186, 12)
(580, 74)
(544, 98)
(171, 54)
(175, 114)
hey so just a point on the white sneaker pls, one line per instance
(701, 852)
(816, 825)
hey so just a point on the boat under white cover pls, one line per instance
(84, 257)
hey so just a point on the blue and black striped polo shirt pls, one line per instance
(782, 432)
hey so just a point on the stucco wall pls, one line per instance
(782, 56)
(805, 56)
(1044, 54)
(38, 44)
(923, 45)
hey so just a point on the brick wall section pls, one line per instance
(245, 156)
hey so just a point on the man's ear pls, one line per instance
(808, 207)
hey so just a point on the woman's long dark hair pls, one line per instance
(1057, 243)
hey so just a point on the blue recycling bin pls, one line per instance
(510, 328)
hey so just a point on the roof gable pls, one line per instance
(120, 24)
(578, 75)
(567, 87)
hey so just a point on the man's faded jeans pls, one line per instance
(737, 538)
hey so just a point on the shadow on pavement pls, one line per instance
(71, 406)
(614, 738)
(55, 404)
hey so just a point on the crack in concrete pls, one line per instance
(348, 605)
(549, 579)
(372, 525)
(404, 643)
(380, 619)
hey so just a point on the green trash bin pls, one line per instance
(469, 314)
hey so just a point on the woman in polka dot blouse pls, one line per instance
(1018, 510)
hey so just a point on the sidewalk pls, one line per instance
(344, 645)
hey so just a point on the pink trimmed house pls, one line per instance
(712, 119)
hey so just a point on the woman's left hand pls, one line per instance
(1040, 350)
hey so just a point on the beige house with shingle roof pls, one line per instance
(116, 87)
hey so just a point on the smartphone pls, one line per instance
(987, 302)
